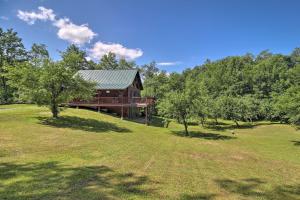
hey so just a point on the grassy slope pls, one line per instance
(87, 155)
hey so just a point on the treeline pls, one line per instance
(238, 88)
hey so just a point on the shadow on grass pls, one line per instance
(157, 121)
(51, 180)
(296, 143)
(78, 123)
(207, 136)
(254, 188)
(222, 126)
(197, 197)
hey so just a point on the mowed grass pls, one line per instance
(87, 155)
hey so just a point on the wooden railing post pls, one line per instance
(122, 112)
(146, 113)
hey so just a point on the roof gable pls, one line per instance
(110, 79)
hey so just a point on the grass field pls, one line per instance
(87, 155)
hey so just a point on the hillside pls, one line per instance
(87, 155)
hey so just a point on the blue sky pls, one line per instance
(176, 33)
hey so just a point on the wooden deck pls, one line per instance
(140, 102)
(116, 102)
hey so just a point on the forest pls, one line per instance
(238, 88)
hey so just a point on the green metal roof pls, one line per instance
(109, 79)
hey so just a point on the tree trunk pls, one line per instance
(186, 132)
(166, 123)
(202, 121)
(236, 122)
(54, 108)
(216, 121)
(5, 90)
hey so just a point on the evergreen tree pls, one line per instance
(108, 61)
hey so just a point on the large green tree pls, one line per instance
(38, 54)
(124, 64)
(287, 104)
(12, 52)
(149, 70)
(51, 84)
(108, 61)
(176, 105)
(75, 59)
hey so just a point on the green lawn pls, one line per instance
(87, 155)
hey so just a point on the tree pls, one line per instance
(270, 76)
(108, 61)
(288, 105)
(92, 65)
(176, 105)
(176, 82)
(205, 103)
(124, 64)
(214, 108)
(50, 85)
(250, 107)
(38, 51)
(264, 55)
(149, 70)
(231, 108)
(200, 109)
(75, 59)
(12, 52)
(295, 56)
(38, 54)
(198, 96)
(155, 86)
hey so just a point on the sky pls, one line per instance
(177, 34)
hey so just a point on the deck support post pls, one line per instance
(146, 115)
(99, 109)
(122, 112)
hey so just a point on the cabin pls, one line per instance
(117, 91)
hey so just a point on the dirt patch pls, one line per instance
(200, 155)
(149, 163)
(210, 143)
(237, 157)
(242, 156)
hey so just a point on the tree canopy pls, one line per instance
(238, 88)
(12, 51)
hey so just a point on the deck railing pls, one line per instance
(115, 100)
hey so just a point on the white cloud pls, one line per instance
(99, 49)
(76, 34)
(4, 18)
(88, 58)
(168, 63)
(43, 14)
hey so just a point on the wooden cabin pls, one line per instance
(117, 91)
